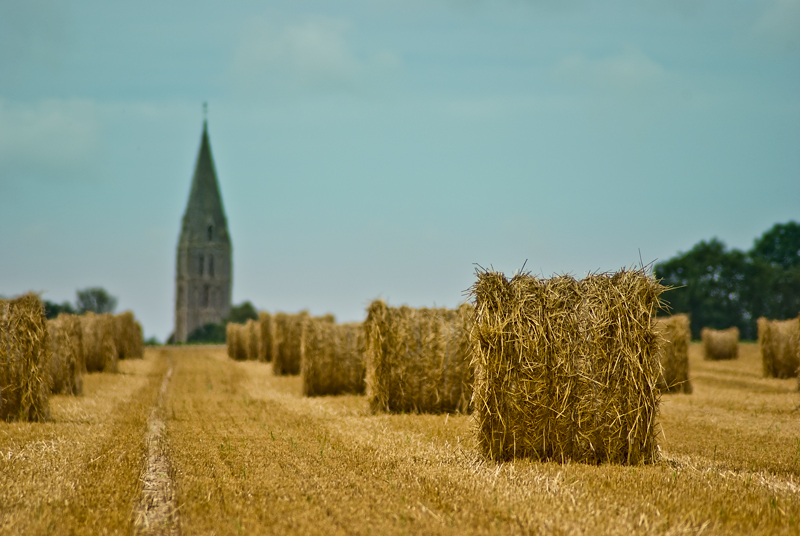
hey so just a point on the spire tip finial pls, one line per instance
(205, 112)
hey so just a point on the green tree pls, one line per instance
(209, 333)
(241, 313)
(52, 309)
(780, 246)
(708, 284)
(95, 300)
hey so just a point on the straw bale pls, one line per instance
(24, 360)
(252, 336)
(129, 340)
(67, 364)
(566, 370)
(230, 334)
(332, 359)
(266, 323)
(100, 342)
(417, 360)
(720, 344)
(288, 343)
(780, 347)
(237, 341)
(674, 355)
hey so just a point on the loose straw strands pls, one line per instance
(24, 360)
(720, 344)
(566, 369)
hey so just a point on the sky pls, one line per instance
(385, 148)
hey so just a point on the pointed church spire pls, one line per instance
(205, 201)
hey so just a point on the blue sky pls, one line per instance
(382, 147)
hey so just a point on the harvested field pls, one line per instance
(720, 344)
(249, 454)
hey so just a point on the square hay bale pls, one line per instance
(24, 360)
(417, 360)
(266, 325)
(129, 340)
(236, 339)
(66, 361)
(100, 342)
(720, 344)
(674, 355)
(252, 335)
(288, 343)
(567, 370)
(332, 360)
(780, 347)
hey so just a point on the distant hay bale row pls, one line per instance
(780, 347)
(129, 337)
(100, 342)
(266, 324)
(24, 360)
(67, 363)
(287, 343)
(720, 344)
(674, 355)
(567, 370)
(418, 360)
(332, 360)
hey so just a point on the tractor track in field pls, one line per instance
(156, 513)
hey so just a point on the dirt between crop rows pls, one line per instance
(245, 453)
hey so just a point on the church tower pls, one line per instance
(203, 270)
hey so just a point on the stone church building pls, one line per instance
(203, 270)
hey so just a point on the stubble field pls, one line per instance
(249, 455)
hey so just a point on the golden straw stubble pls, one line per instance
(24, 360)
(567, 370)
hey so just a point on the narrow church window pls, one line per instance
(210, 232)
(205, 295)
(211, 265)
(200, 265)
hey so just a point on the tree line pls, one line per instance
(720, 287)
